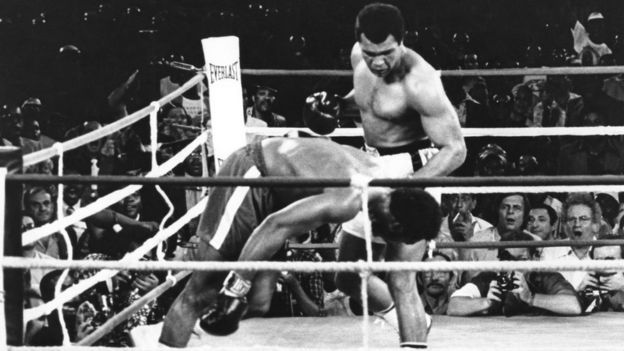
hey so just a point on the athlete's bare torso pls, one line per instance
(386, 107)
(314, 158)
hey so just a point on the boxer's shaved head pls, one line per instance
(377, 21)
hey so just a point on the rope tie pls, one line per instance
(431, 246)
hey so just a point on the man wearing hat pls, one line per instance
(262, 107)
(589, 42)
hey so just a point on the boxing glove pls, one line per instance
(223, 319)
(321, 112)
(231, 305)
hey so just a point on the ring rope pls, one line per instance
(447, 73)
(123, 315)
(42, 155)
(466, 132)
(127, 261)
(478, 244)
(3, 325)
(110, 199)
(448, 182)
(161, 347)
(70, 249)
(361, 183)
(276, 266)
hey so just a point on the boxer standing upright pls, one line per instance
(404, 112)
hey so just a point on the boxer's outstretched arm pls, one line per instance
(334, 206)
(439, 120)
(410, 310)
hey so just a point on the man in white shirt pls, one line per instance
(581, 221)
(460, 224)
(589, 42)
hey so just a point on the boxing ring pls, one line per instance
(596, 331)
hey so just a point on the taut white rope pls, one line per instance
(42, 155)
(256, 266)
(128, 260)
(3, 336)
(110, 199)
(467, 132)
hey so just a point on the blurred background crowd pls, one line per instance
(71, 67)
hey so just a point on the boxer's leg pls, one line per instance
(261, 293)
(200, 291)
(353, 248)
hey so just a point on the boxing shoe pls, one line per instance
(231, 305)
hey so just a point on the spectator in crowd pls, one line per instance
(589, 42)
(609, 207)
(606, 288)
(436, 286)
(581, 221)
(75, 196)
(39, 205)
(34, 275)
(11, 128)
(512, 212)
(460, 224)
(593, 154)
(557, 92)
(542, 221)
(299, 294)
(515, 292)
(522, 108)
(100, 303)
(262, 108)
(171, 118)
(492, 160)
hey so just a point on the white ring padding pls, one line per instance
(42, 155)
(274, 266)
(35, 234)
(467, 132)
(126, 261)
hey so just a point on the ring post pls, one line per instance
(226, 95)
(11, 322)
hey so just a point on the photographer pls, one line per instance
(604, 290)
(492, 293)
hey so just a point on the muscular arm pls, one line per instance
(410, 310)
(356, 58)
(439, 120)
(467, 306)
(559, 303)
(107, 218)
(333, 206)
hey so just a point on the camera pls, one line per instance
(505, 281)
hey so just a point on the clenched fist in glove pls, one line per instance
(321, 112)
(223, 319)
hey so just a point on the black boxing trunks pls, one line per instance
(233, 213)
(398, 162)
(420, 152)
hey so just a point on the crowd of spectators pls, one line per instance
(70, 69)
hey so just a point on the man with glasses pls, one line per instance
(581, 221)
(512, 293)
